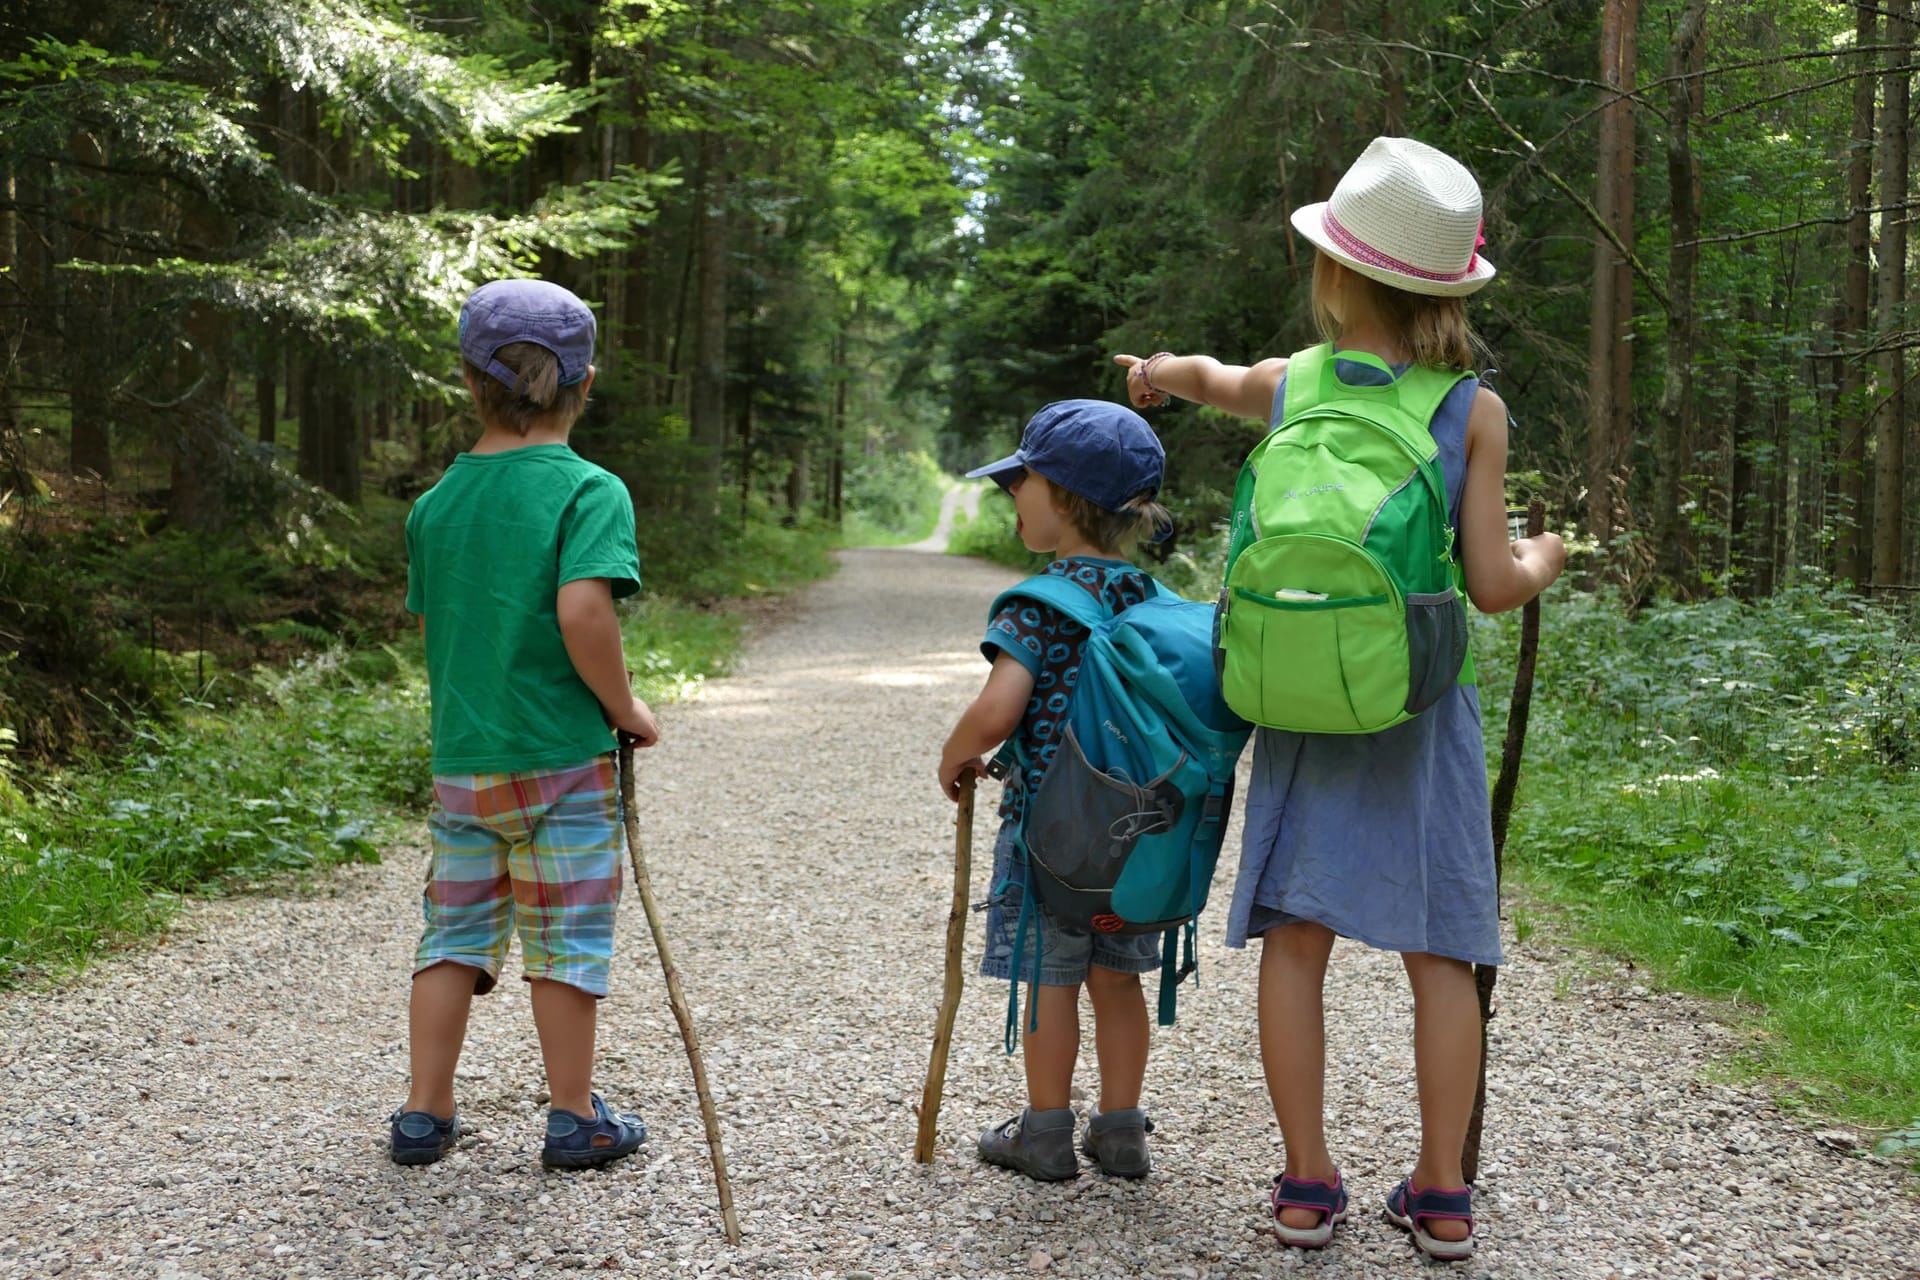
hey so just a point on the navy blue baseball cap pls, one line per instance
(1102, 451)
(508, 311)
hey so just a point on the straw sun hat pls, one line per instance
(1405, 215)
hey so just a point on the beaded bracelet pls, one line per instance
(1146, 370)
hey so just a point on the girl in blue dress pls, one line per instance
(1384, 837)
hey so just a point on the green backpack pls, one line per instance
(1342, 611)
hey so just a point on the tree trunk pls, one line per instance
(799, 480)
(1890, 420)
(836, 483)
(87, 331)
(1849, 475)
(1746, 515)
(707, 407)
(266, 404)
(310, 460)
(1609, 354)
(1686, 54)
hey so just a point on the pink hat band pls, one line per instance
(1357, 248)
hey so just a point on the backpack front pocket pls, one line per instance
(1315, 638)
(1081, 826)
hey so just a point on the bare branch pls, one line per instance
(1593, 215)
(1737, 236)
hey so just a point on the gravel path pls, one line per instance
(215, 1106)
(960, 499)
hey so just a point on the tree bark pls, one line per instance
(1609, 354)
(87, 331)
(1686, 54)
(1849, 476)
(1746, 502)
(1890, 420)
(707, 406)
(266, 402)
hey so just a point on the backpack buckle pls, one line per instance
(1002, 763)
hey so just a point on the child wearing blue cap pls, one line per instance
(1083, 483)
(514, 560)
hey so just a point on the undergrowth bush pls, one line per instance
(989, 535)
(895, 493)
(1726, 792)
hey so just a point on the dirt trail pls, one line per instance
(216, 1106)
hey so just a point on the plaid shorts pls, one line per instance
(541, 849)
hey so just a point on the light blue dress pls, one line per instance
(1381, 837)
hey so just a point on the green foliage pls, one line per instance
(1725, 793)
(317, 766)
(283, 785)
(990, 535)
(712, 559)
(109, 621)
(895, 492)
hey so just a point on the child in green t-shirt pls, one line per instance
(514, 560)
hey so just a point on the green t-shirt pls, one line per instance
(488, 549)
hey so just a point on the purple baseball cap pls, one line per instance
(1102, 451)
(537, 311)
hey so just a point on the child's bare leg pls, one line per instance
(1050, 1052)
(566, 1017)
(1119, 1036)
(436, 1032)
(1446, 1064)
(1293, 1049)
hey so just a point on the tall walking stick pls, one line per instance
(950, 995)
(1484, 975)
(675, 996)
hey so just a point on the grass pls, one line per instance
(320, 765)
(1723, 793)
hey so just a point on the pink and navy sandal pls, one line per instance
(1408, 1209)
(1328, 1199)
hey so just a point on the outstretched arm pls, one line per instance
(1246, 391)
(1501, 575)
(989, 721)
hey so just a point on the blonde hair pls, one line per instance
(1139, 519)
(535, 398)
(1434, 331)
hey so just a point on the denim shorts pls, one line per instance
(1065, 954)
(538, 853)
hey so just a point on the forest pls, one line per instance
(838, 247)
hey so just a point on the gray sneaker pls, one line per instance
(1118, 1141)
(1037, 1143)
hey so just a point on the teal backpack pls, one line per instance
(1343, 607)
(1123, 832)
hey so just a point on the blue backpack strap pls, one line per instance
(1011, 1036)
(1054, 590)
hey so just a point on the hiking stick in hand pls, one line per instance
(950, 995)
(675, 996)
(1485, 975)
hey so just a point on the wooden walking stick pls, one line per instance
(675, 996)
(1485, 975)
(950, 995)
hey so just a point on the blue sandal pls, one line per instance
(1408, 1209)
(1328, 1199)
(572, 1140)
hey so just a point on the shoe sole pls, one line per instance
(587, 1159)
(1038, 1175)
(1308, 1237)
(1434, 1247)
(417, 1157)
(1113, 1171)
